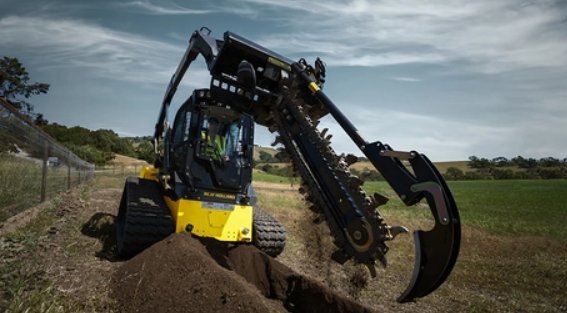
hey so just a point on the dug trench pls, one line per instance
(183, 273)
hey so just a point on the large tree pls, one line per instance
(15, 86)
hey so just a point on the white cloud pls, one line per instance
(517, 109)
(503, 64)
(163, 9)
(491, 37)
(100, 51)
(406, 79)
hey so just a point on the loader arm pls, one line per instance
(286, 97)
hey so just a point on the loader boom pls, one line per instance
(287, 97)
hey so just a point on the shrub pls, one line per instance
(503, 174)
(454, 173)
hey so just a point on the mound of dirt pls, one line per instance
(184, 274)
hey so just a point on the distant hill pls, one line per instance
(269, 150)
(123, 160)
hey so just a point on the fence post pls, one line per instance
(44, 172)
(68, 170)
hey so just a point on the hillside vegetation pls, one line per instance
(98, 146)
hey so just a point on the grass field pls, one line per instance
(522, 207)
(259, 175)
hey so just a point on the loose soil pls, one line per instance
(185, 274)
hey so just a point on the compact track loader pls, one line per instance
(201, 180)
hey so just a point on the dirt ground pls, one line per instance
(180, 273)
(68, 249)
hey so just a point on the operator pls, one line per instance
(216, 143)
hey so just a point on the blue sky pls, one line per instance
(450, 79)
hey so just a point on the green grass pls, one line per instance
(523, 207)
(24, 286)
(532, 207)
(520, 207)
(20, 183)
(259, 175)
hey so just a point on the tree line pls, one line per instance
(519, 161)
(516, 168)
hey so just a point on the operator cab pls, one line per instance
(210, 150)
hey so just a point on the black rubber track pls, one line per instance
(268, 234)
(143, 217)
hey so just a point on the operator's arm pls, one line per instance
(231, 137)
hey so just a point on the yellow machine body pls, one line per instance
(219, 220)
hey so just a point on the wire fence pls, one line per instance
(33, 166)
